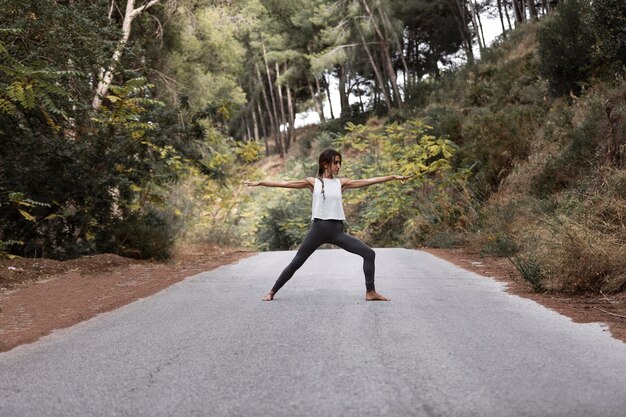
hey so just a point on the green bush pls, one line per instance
(566, 47)
(144, 237)
(417, 94)
(608, 23)
(284, 225)
(446, 121)
(493, 141)
(531, 271)
(567, 168)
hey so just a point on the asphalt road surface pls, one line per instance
(450, 343)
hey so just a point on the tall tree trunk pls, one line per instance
(248, 132)
(506, 13)
(317, 100)
(330, 103)
(376, 94)
(110, 14)
(462, 25)
(501, 18)
(386, 86)
(360, 98)
(262, 122)
(255, 124)
(409, 56)
(518, 10)
(267, 106)
(552, 5)
(343, 96)
(396, 39)
(270, 86)
(320, 99)
(473, 12)
(379, 77)
(532, 10)
(292, 118)
(106, 75)
(284, 134)
(480, 25)
(386, 55)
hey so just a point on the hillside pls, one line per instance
(535, 177)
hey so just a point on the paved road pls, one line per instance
(450, 343)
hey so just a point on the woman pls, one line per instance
(327, 219)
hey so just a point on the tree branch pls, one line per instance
(111, 9)
(612, 314)
(146, 6)
(349, 45)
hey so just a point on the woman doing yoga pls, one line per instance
(327, 219)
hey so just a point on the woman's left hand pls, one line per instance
(402, 177)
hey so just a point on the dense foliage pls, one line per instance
(74, 179)
(110, 108)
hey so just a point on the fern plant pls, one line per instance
(34, 87)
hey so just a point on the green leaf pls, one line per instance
(27, 216)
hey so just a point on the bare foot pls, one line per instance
(269, 296)
(374, 296)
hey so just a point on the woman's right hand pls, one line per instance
(252, 183)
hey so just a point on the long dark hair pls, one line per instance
(326, 157)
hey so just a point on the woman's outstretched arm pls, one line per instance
(346, 184)
(305, 183)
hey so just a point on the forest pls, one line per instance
(128, 126)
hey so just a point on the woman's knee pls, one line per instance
(369, 254)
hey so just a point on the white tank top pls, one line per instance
(331, 207)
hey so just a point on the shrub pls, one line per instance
(141, 236)
(531, 271)
(495, 140)
(445, 239)
(565, 169)
(446, 121)
(566, 47)
(284, 225)
(500, 245)
(223, 236)
(580, 258)
(608, 23)
(416, 94)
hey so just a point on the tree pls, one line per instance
(565, 47)
(106, 74)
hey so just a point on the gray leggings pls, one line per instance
(329, 231)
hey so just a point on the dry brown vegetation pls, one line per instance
(549, 172)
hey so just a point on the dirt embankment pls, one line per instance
(40, 295)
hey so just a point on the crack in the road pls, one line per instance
(15, 390)
(152, 373)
